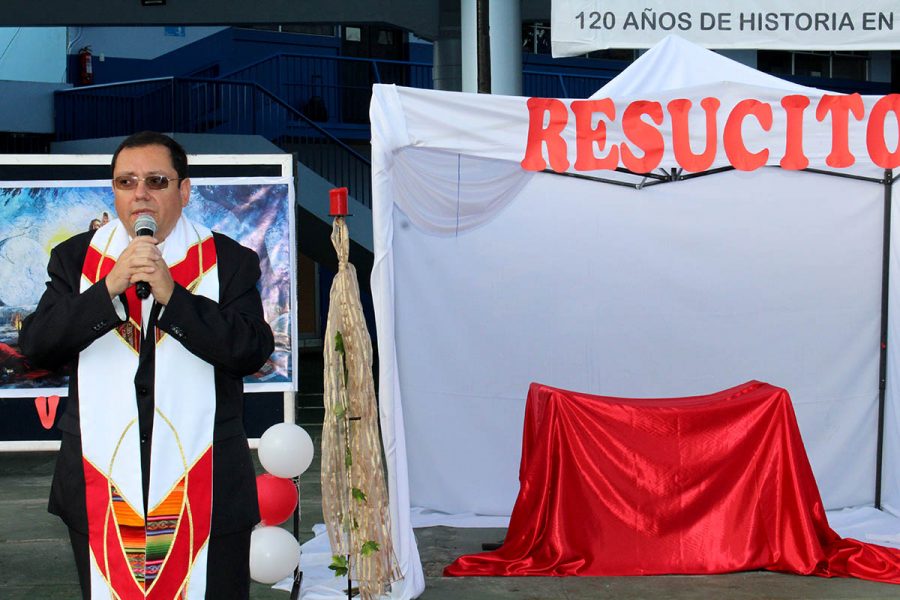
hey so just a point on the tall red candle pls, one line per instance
(338, 201)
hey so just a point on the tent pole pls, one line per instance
(483, 45)
(882, 366)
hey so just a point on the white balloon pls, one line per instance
(285, 450)
(274, 554)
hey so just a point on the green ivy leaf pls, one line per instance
(348, 458)
(359, 495)
(370, 547)
(341, 349)
(339, 411)
(339, 565)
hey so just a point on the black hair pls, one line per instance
(152, 138)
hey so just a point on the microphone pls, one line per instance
(144, 225)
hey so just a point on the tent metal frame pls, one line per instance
(887, 182)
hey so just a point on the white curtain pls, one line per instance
(674, 290)
(890, 490)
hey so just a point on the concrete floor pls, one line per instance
(438, 546)
(36, 563)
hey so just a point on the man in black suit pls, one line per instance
(155, 387)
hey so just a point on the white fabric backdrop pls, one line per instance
(680, 289)
(890, 490)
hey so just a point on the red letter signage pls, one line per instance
(552, 135)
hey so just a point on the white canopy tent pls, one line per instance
(488, 277)
(675, 63)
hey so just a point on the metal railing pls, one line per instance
(198, 105)
(331, 89)
(294, 100)
(545, 84)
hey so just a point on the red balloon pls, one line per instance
(277, 499)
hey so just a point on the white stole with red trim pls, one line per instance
(161, 555)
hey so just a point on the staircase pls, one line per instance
(212, 106)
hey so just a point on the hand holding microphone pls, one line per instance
(141, 265)
(144, 225)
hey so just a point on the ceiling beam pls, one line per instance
(418, 16)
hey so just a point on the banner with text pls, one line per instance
(581, 26)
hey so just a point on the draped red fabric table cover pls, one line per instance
(706, 484)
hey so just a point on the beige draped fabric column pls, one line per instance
(354, 497)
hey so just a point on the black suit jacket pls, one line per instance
(231, 335)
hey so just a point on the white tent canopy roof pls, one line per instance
(497, 127)
(675, 63)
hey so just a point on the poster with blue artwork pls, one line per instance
(36, 216)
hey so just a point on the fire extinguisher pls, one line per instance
(86, 67)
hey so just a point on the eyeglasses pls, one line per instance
(153, 182)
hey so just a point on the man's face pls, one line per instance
(163, 205)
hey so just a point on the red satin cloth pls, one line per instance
(707, 484)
